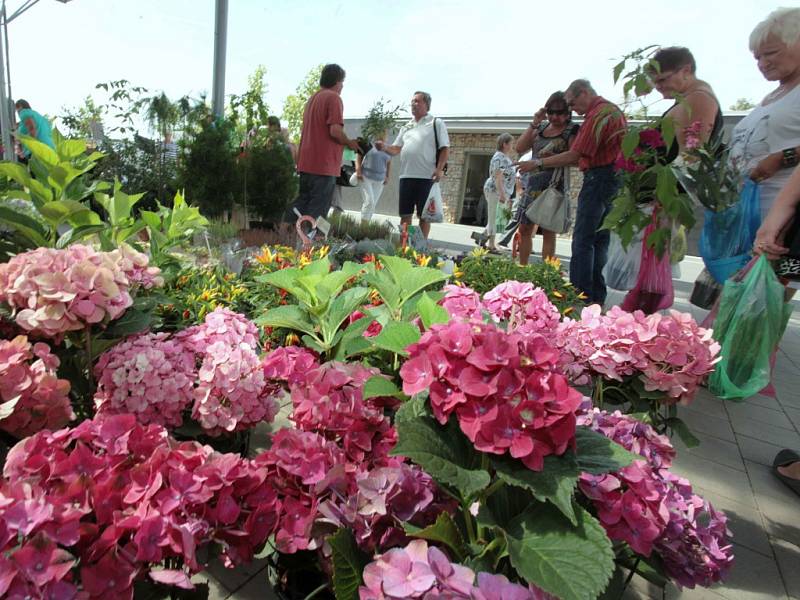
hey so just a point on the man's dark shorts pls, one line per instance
(413, 195)
(314, 198)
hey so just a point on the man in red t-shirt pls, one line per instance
(319, 158)
(594, 151)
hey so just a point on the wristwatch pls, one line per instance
(790, 158)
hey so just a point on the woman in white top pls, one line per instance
(500, 184)
(765, 145)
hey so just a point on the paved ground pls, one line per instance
(731, 468)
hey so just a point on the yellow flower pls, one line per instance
(553, 262)
(568, 310)
(422, 260)
(292, 340)
(558, 294)
(267, 256)
(323, 251)
(457, 273)
(479, 252)
(582, 296)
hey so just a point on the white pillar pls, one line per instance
(220, 43)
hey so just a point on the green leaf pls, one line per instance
(618, 68)
(353, 338)
(378, 386)
(444, 531)
(25, 225)
(597, 454)
(555, 483)
(396, 336)
(78, 233)
(133, 321)
(290, 316)
(59, 211)
(570, 562)
(443, 452)
(682, 429)
(630, 142)
(40, 150)
(430, 312)
(344, 305)
(348, 564)
(412, 409)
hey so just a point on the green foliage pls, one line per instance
(269, 180)
(295, 103)
(380, 120)
(445, 531)
(596, 454)
(345, 227)
(250, 110)
(399, 281)
(171, 227)
(444, 453)
(572, 563)
(483, 273)
(742, 104)
(208, 171)
(348, 564)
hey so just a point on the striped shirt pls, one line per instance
(600, 150)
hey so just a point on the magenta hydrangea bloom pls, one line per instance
(28, 373)
(522, 305)
(89, 510)
(329, 400)
(53, 291)
(504, 389)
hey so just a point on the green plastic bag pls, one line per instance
(751, 320)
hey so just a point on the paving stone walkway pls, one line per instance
(731, 468)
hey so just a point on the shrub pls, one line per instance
(267, 177)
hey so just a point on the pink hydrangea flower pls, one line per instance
(28, 374)
(462, 302)
(54, 291)
(504, 389)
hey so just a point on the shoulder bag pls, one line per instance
(550, 210)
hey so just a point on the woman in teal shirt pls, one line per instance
(33, 124)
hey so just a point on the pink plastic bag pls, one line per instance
(653, 290)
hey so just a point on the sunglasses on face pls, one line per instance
(563, 112)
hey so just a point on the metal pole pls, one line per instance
(220, 43)
(5, 121)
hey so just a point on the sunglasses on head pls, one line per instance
(563, 111)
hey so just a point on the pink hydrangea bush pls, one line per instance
(28, 374)
(136, 267)
(232, 392)
(503, 388)
(422, 571)
(654, 510)
(52, 292)
(522, 305)
(667, 353)
(150, 375)
(87, 511)
(462, 302)
(329, 400)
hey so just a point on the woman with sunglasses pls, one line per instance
(551, 132)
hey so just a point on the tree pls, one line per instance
(380, 118)
(268, 177)
(295, 103)
(742, 104)
(250, 110)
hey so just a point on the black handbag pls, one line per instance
(438, 150)
(345, 173)
(788, 266)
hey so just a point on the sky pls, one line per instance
(474, 57)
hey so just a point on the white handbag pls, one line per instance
(550, 209)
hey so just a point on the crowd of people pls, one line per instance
(764, 147)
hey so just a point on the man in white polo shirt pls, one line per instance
(422, 160)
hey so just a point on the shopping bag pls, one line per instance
(727, 236)
(503, 217)
(653, 290)
(550, 209)
(433, 211)
(705, 291)
(678, 243)
(751, 320)
(622, 267)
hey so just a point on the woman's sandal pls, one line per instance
(783, 459)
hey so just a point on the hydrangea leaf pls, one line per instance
(430, 312)
(443, 452)
(412, 409)
(379, 386)
(348, 564)
(555, 483)
(444, 531)
(396, 336)
(597, 454)
(570, 562)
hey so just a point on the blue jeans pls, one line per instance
(590, 246)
